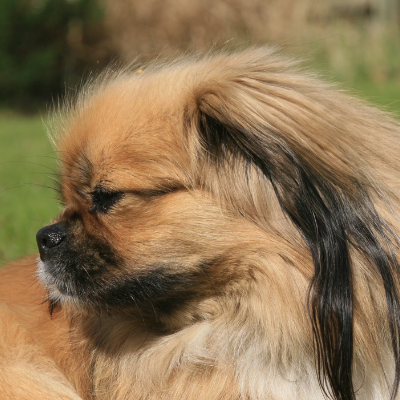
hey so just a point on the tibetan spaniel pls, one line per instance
(229, 231)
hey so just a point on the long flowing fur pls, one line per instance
(231, 232)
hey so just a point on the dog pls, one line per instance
(229, 230)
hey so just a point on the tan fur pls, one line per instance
(247, 333)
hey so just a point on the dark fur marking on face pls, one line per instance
(158, 290)
(83, 167)
(163, 189)
(161, 290)
(78, 170)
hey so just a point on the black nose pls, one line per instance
(49, 237)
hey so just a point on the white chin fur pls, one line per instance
(51, 284)
(42, 274)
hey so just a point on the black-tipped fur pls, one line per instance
(332, 221)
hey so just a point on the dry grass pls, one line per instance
(350, 38)
(155, 26)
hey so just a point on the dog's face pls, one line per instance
(227, 188)
(141, 226)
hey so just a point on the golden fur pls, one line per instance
(228, 224)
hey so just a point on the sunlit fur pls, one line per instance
(232, 234)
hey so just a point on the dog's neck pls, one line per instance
(136, 354)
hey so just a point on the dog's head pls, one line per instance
(227, 185)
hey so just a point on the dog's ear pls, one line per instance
(266, 119)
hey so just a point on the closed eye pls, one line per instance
(103, 199)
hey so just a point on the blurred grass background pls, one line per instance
(27, 167)
(47, 46)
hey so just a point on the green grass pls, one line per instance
(27, 163)
(386, 96)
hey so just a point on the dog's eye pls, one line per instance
(103, 200)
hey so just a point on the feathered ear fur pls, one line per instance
(296, 134)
